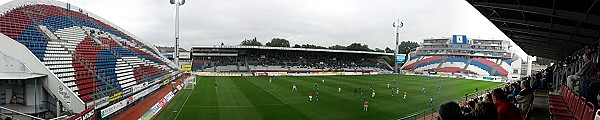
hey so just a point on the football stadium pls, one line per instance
(59, 61)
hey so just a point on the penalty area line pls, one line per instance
(268, 91)
(186, 99)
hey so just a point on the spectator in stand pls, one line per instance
(525, 97)
(485, 111)
(488, 97)
(506, 111)
(449, 111)
(583, 73)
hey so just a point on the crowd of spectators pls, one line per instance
(579, 72)
(317, 62)
(511, 101)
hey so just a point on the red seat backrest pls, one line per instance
(589, 111)
(580, 107)
(571, 100)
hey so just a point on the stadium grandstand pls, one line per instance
(263, 60)
(563, 30)
(463, 56)
(57, 60)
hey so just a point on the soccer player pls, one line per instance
(366, 105)
(339, 88)
(392, 92)
(388, 83)
(373, 95)
(294, 87)
(316, 86)
(431, 101)
(371, 85)
(439, 88)
(423, 89)
(361, 94)
(476, 89)
(216, 84)
(270, 79)
(394, 81)
(404, 95)
(310, 96)
(397, 90)
(323, 79)
(354, 91)
(317, 95)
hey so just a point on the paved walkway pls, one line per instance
(540, 106)
(432, 116)
(136, 111)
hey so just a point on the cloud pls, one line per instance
(329, 22)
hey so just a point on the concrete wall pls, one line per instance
(9, 64)
(54, 85)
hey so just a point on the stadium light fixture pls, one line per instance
(177, 3)
(397, 24)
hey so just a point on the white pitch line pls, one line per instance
(268, 91)
(186, 99)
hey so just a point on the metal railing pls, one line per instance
(429, 111)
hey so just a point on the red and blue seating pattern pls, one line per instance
(479, 66)
(94, 59)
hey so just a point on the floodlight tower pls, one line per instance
(397, 24)
(177, 3)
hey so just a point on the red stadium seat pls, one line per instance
(589, 112)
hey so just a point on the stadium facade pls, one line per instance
(459, 55)
(58, 58)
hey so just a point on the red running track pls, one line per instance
(136, 111)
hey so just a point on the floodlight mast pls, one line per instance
(397, 24)
(176, 48)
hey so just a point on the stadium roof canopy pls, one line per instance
(547, 28)
(289, 49)
(19, 75)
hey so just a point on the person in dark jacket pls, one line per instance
(583, 73)
(449, 110)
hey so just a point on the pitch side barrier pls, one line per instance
(428, 112)
(283, 73)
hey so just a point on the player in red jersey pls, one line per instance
(388, 83)
(310, 96)
(294, 87)
(366, 105)
(270, 79)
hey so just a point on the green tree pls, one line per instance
(337, 47)
(358, 47)
(407, 46)
(378, 50)
(251, 42)
(388, 50)
(278, 42)
(312, 46)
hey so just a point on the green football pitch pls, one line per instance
(252, 98)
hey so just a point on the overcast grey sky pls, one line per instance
(320, 22)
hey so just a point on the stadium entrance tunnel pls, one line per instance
(22, 96)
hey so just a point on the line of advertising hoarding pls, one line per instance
(157, 107)
(141, 90)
